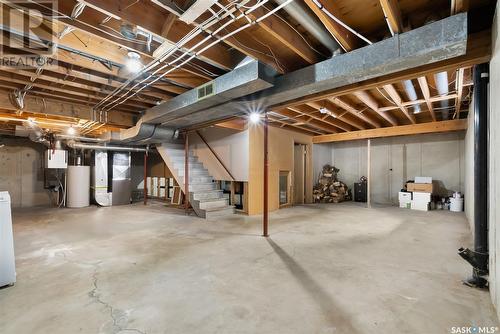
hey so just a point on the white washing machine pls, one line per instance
(7, 261)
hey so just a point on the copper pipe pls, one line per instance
(186, 172)
(266, 180)
(145, 178)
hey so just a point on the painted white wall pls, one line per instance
(231, 146)
(398, 159)
(494, 164)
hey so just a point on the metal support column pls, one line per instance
(146, 178)
(186, 172)
(266, 178)
(479, 257)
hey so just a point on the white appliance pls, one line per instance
(7, 262)
(56, 159)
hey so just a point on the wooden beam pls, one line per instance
(314, 122)
(419, 101)
(394, 131)
(295, 127)
(397, 100)
(460, 91)
(286, 35)
(340, 118)
(152, 18)
(347, 40)
(370, 102)
(392, 15)
(346, 106)
(58, 108)
(424, 87)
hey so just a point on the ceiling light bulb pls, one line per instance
(323, 110)
(71, 130)
(254, 117)
(133, 62)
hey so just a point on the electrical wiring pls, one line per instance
(124, 98)
(336, 19)
(388, 99)
(202, 27)
(298, 32)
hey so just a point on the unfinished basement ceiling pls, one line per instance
(92, 87)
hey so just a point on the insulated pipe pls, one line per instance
(412, 95)
(73, 144)
(441, 79)
(313, 26)
(80, 138)
(481, 78)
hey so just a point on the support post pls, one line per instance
(186, 172)
(146, 177)
(479, 257)
(266, 178)
(368, 174)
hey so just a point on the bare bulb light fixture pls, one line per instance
(133, 62)
(254, 117)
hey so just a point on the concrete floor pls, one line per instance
(325, 269)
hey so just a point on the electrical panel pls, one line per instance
(56, 159)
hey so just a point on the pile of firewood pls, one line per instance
(329, 189)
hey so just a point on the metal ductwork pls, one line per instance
(412, 95)
(189, 107)
(255, 87)
(442, 85)
(312, 24)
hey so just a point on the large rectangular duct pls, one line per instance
(252, 87)
(431, 43)
(245, 80)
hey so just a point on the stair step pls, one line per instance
(193, 173)
(202, 187)
(194, 165)
(213, 203)
(200, 179)
(218, 213)
(207, 195)
(181, 159)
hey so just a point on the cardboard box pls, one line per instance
(421, 197)
(420, 187)
(423, 179)
(420, 206)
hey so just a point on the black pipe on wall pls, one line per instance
(478, 258)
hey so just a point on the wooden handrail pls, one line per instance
(215, 155)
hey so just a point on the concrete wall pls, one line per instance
(494, 164)
(21, 172)
(398, 159)
(281, 158)
(231, 147)
(322, 155)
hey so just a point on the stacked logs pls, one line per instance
(329, 189)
